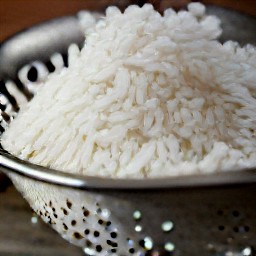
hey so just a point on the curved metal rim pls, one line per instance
(9, 163)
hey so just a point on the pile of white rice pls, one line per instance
(147, 96)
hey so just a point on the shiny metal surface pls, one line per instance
(13, 164)
(206, 215)
(26, 47)
(191, 221)
(38, 43)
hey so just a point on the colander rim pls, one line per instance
(11, 164)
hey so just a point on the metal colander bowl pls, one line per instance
(187, 216)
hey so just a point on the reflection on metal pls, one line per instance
(167, 226)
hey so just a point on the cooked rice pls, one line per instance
(147, 96)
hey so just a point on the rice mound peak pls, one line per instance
(149, 95)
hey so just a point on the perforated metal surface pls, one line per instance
(192, 220)
(195, 221)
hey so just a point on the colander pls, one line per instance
(183, 216)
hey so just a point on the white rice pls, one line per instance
(147, 96)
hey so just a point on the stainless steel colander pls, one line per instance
(183, 216)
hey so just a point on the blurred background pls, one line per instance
(19, 14)
(21, 233)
